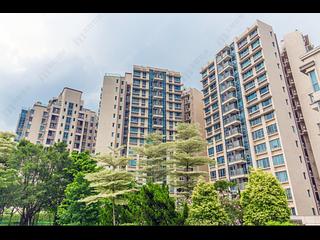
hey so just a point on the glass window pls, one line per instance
(211, 151)
(132, 163)
(247, 74)
(278, 160)
(263, 163)
(251, 96)
(246, 63)
(220, 160)
(257, 55)
(255, 121)
(260, 148)
(264, 90)
(272, 129)
(259, 66)
(314, 81)
(282, 176)
(222, 172)
(249, 85)
(288, 193)
(266, 103)
(219, 148)
(213, 174)
(134, 129)
(269, 116)
(262, 78)
(244, 52)
(258, 134)
(133, 140)
(253, 109)
(255, 44)
(274, 144)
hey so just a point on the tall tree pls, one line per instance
(206, 208)
(186, 158)
(152, 159)
(71, 211)
(153, 206)
(58, 176)
(112, 182)
(264, 200)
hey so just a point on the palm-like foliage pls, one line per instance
(112, 181)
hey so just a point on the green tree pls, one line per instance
(7, 146)
(206, 208)
(58, 176)
(264, 200)
(153, 206)
(112, 182)
(152, 159)
(71, 211)
(186, 158)
(229, 200)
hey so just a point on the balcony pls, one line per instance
(229, 98)
(225, 56)
(228, 86)
(230, 108)
(226, 76)
(233, 132)
(240, 172)
(234, 145)
(237, 158)
(225, 66)
(157, 114)
(230, 120)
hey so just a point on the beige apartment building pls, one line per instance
(113, 112)
(249, 118)
(63, 120)
(302, 67)
(192, 112)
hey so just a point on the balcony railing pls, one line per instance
(236, 157)
(233, 131)
(229, 108)
(225, 86)
(231, 119)
(234, 144)
(239, 171)
(228, 96)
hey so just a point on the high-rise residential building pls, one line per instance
(113, 112)
(192, 112)
(302, 67)
(249, 118)
(21, 122)
(155, 106)
(63, 120)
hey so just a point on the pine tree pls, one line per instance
(112, 181)
(264, 200)
(186, 157)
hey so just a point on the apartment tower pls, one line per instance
(248, 117)
(155, 106)
(302, 64)
(63, 119)
(113, 112)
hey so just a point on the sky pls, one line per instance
(43, 53)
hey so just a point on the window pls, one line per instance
(244, 52)
(288, 193)
(132, 163)
(249, 85)
(314, 81)
(222, 172)
(260, 148)
(253, 109)
(282, 176)
(266, 103)
(133, 140)
(246, 63)
(251, 97)
(258, 134)
(257, 55)
(220, 160)
(264, 90)
(213, 174)
(255, 121)
(293, 211)
(134, 129)
(262, 78)
(255, 44)
(269, 116)
(211, 151)
(259, 66)
(272, 129)
(219, 148)
(274, 144)
(278, 160)
(247, 74)
(263, 163)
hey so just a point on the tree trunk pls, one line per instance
(113, 213)
(11, 214)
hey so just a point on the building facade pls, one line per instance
(63, 119)
(113, 112)
(248, 117)
(302, 64)
(155, 106)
